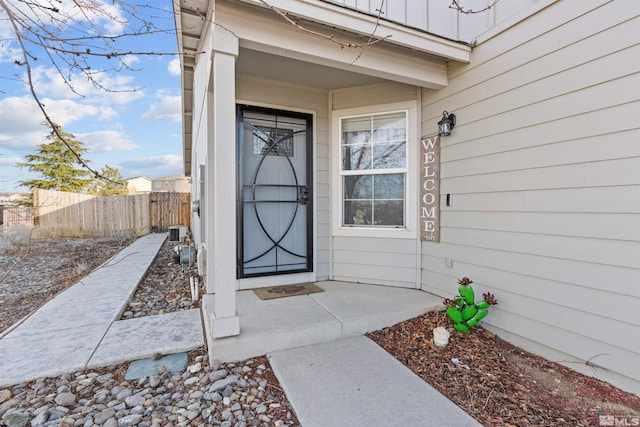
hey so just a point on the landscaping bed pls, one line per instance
(503, 385)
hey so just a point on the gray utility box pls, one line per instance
(177, 232)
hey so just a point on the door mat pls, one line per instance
(282, 291)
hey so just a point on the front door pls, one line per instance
(275, 215)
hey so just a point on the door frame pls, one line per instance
(288, 277)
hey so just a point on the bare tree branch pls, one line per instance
(27, 64)
(73, 36)
(342, 43)
(372, 35)
(455, 5)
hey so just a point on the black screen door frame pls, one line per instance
(240, 202)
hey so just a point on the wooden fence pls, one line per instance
(60, 214)
(15, 215)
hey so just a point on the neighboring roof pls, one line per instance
(138, 177)
(12, 197)
(170, 178)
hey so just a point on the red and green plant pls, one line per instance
(463, 309)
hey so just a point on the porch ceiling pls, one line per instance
(272, 67)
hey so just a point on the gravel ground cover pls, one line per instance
(165, 287)
(504, 385)
(239, 394)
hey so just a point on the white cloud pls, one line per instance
(168, 108)
(129, 60)
(118, 88)
(17, 115)
(174, 67)
(153, 166)
(106, 141)
(21, 121)
(22, 129)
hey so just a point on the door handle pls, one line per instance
(303, 196)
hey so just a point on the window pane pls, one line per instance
(389, 156)
(356, 130)
(272, 141)
(390, 127)
(389, 186)
(357, 213)
(388, 212)
(355, 137)
(358, 187)
(356, 157)
(374, 143)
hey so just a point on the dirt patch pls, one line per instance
(504, 385)
(34, 271)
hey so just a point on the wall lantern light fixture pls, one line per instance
(447, 123)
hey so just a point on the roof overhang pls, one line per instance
(406, 55)
(190, 17)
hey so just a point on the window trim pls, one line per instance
(412, 141)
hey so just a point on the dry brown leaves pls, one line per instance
(505, 386)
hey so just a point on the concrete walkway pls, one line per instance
(79, 328)
(349, 381)
(354, 382)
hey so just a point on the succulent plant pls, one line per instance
(463, 309)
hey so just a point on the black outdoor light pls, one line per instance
(447, 123)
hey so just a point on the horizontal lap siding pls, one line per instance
(544, 168)
(375, 260)
(380, 261)
(285, 96)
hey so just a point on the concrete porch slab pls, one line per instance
(342, 310)
(365, 308)
(271, 325)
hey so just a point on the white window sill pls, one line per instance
(379, 232)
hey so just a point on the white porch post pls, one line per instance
(221, 156)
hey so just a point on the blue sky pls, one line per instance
(136, 129)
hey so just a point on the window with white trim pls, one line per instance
(373, 170)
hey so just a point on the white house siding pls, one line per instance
(544, 169)
(373, 259)
(200, 137)
(436, 17)
(275, 94)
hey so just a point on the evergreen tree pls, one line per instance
(57, 164)
(112, 185)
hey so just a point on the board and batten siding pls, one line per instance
(436, 17)
(284, 96)
(544, 169)
(373, 259)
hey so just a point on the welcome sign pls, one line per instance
(430, 189)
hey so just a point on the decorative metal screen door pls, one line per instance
(275, 228)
